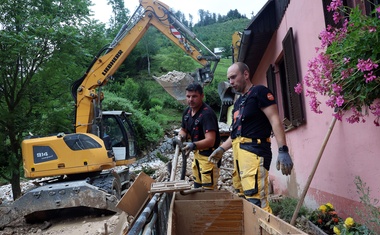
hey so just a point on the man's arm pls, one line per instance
(208, 141)
(284, 161)
(227, 144)
(274, 118)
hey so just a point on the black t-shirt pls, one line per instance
(248, 118)
(197, 126)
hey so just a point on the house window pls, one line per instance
(370, 6)
(282, 84)
(367, 6)
(271, 81)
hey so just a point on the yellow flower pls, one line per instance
(336, 230)
(322, 208)
(330, 205)
(349, 222)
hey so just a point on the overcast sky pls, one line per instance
(102, 11)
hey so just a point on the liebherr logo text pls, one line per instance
(109, 66)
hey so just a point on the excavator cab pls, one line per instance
(119, 136)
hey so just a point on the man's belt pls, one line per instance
(240, 139)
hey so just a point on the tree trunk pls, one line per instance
(147, 55)
(16, 162)
(15, 182)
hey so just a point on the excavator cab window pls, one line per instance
(80, 142)
(130, 136)
(119, 132)
(113, 131)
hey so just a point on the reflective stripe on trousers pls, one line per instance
(249, 176)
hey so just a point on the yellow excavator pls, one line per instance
(89, 168)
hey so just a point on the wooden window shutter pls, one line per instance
(329, 15)
(271, 81)
(291, 70)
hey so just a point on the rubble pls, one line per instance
(175, 77)
(175, 84)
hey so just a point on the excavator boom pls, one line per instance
(149, 13)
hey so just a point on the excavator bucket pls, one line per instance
(227, 96)
(226, 93)
(175, 84)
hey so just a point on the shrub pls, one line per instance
(285, 208)
(370, 214)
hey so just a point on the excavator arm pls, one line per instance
(86, 90)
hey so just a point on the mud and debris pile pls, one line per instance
(175, 84)
(225, 173)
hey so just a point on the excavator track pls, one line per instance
(100, 193)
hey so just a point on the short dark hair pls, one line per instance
(195, 87)
(242, 67)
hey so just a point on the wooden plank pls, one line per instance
(258, 221)
(207, 195)
(137, 195)
(170, 186)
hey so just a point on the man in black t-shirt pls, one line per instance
(199, 122)
(255, 116)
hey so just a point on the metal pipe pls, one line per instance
(187, 31)
(141, 220)
(148, 229)
(181, 26)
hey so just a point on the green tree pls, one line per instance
(37, 42)
(120, 14)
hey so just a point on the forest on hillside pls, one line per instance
(46, 46)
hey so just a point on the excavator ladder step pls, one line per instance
(170, 186)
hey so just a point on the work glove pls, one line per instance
(188, 148)
(216, 155)
(178, 140)
(284, 162)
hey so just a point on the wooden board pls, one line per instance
(137, 195)
(218, 212)
(170, 186)
(257, 221)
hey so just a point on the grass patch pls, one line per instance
(285, 207)
(163, 158)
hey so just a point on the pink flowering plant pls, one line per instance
(346, 68)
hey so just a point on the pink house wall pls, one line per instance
(352, 150)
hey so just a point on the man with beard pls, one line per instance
(200, 124)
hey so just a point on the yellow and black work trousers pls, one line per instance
(250, 178)
(206, 174)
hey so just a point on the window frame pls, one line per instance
(282, 77)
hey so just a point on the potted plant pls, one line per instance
(346, 68)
